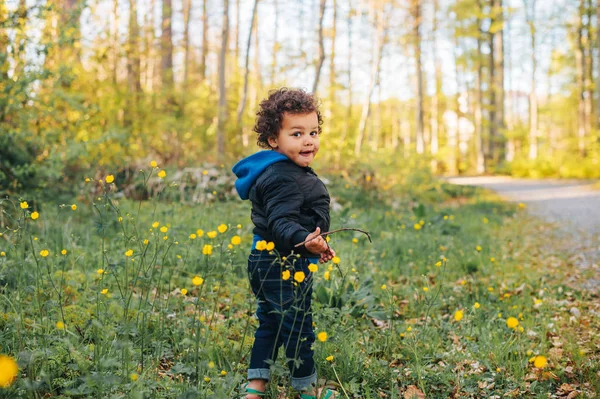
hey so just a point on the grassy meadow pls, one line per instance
(458, 295)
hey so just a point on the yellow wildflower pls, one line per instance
(425, 289)
(184, 291)
(24, 205)
(211, 365)
(35, 215)
(512, 322)
(155, 224)
(200, 232)
(60, 325)
(146, 242)
(129, 253)
(222, 228)
(153, 164)
(44, 253)
(458, 315)
(64, 252)
(74, 207)
(104, 291)
(313, 268)
(329, 358)
(164, 229)
(261, 245)
(285, 275)
(299, 276)
(192, 236)
(223, 373)
(270, 246)
(162, 174)
(477, 305)
(100, 271)
(211, 234)
(417, 226)
(355, 240)
(134, 377)
(2, 253)
(336, 260)
(8, 371)
(207, 249)
(322, 336)
(326, 275)
(197, 281)
(109, 179)
(236, 240)
(438, 263)
(478, 248)
(540, 362)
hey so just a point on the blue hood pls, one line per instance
(248, 169)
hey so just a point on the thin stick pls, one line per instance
(335, 231)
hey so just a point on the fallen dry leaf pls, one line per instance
(412, 392)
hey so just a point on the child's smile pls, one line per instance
(298, 138)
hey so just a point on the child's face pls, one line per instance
(298, 138)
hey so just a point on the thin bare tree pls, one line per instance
(533, 103)
(222, 116)
(242, 105)
(321, 58)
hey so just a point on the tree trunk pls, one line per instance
(321, 47)
(499, 123)
(348, 125)
(589, 65)
(133, 64)
(479, 147)
(582, 132)
(114, 33)
(332, 77)
(275, 48)
(598, 64)
(187, 11)
(416, 5)
(533, 105)
(166, 64)
(381, 39)
(242, 106)
(204, 53)
(435, 104)
(222, 89)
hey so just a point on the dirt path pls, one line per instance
(573, 206)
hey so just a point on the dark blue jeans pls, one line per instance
(285, 318)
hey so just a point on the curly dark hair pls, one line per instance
(270, 114)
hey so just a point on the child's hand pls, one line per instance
(318, 245)
(327, 255)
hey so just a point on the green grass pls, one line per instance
(389, 307)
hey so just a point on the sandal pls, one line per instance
(328, 395)
(250, 391)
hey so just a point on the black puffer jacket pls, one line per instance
(288, 203)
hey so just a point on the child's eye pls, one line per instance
(314, 133)
(296, 134)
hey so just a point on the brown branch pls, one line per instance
(335, 231)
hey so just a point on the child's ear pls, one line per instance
(272, 142)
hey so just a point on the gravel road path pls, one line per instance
(572, 205)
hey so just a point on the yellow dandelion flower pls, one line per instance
(261, 245)
(313, 268)
(425, 289)
(162, 174)
(383, 287)
(193, 236)
(285, 275)
(109, 179)
(2, 253)
(87, 180)
(211, 234)
(355, 240)
(129, 253)
(540, 362)
(270, 246)
(206, 379)
(477, 305)
(184, 291)
(153, 164)
(64, 252)
(438, 263)
(329, 358)
(207, 249)
(164, 229)
(146, 242)
(299, 277)
(44, 253)
(222, 228)
(326, 275)
(322, 336)
(458, 315)
(8, 371)
(236, 240)
(100, 271)
(223, 373)
(336, 260)
(197, 281)
(134, 377)
(155, 224)
(512, 322)
(74, 207)
(199, 232)
(478, 248)
(60, 325)
(35, 215)
(24, 205)
(417, 226)
(104, 291)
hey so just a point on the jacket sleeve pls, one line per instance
(283, 201)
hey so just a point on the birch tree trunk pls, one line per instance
(242, 105)
(366, 109)
(533, 105)
(204, 52)
(420, 139)
(222, 116)
(321, 58)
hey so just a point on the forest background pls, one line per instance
(469, 86)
